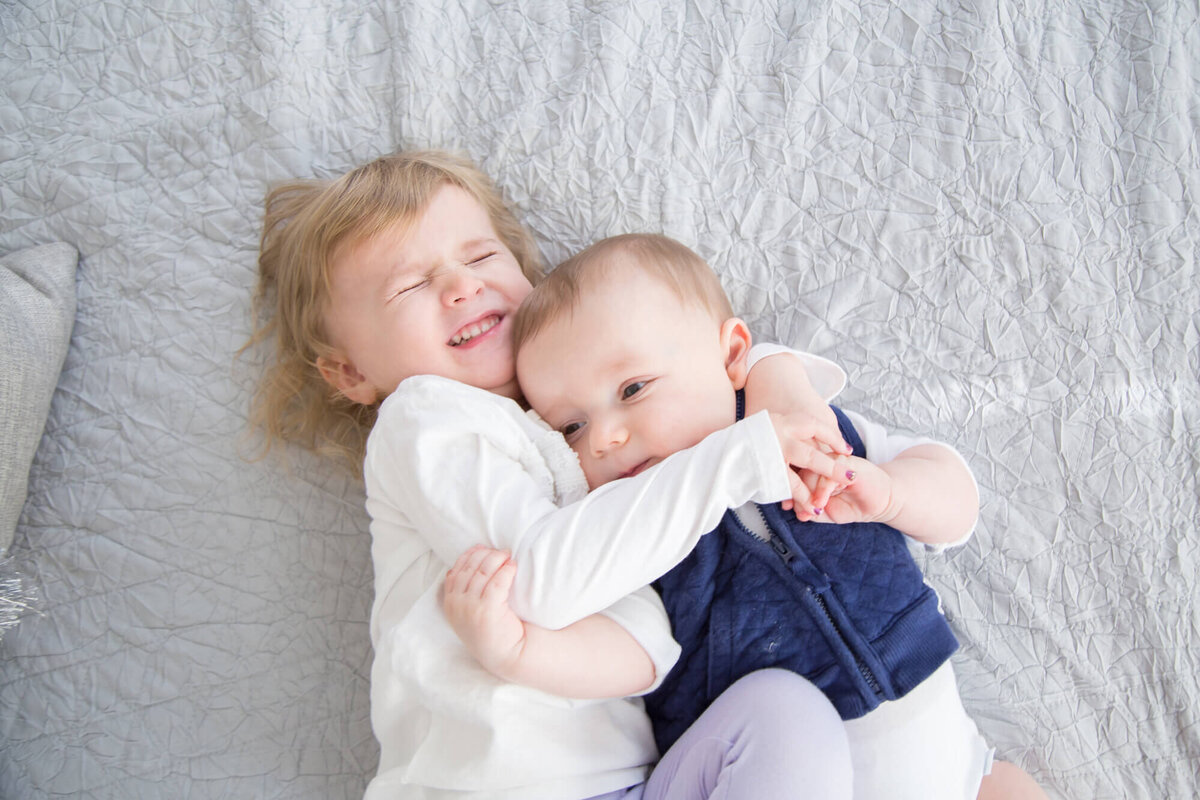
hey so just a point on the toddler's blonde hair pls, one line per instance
(304, 222)
(666, 260)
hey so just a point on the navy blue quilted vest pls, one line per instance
(845, 606)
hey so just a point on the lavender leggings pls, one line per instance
(770, 736)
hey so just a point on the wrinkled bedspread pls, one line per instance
(986, 212)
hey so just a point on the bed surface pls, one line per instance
(989, 217)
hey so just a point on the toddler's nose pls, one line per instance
(459, 283)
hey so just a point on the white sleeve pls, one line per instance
(454, 470)
(883, 445)
(643, 616)
(826, 376)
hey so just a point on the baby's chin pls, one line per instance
(596, 481)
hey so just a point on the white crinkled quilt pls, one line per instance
(987, 212)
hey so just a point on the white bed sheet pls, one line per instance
(986, 212)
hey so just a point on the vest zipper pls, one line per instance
(863, 669)
(784, 552)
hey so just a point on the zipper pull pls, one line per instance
(781, 548)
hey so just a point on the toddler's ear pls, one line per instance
(343, 376)
(735, 342)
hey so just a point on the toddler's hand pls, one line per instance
(865, 495)
(475, 600)
(814, 449)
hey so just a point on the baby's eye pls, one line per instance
(631, 389)
(570, 429)
(474, 262)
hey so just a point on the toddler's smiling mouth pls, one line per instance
(477, 328)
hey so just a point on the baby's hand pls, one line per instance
(475, 600)
(865, 495)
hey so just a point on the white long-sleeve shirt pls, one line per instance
(449, 466)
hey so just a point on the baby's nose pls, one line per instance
(608, 435)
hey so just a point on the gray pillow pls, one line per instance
(37, 310)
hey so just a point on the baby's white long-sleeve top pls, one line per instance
(449, 466)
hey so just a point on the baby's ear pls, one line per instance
(735, 342)
(343, 376)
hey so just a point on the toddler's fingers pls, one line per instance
(498, 587)
(809, 503)
(492, 561)
(807, 433)
(459, 574)
(806, 457)
(845, 471)
(486, 567)
(790, 503)
(830, 436)
(469, 560)
(824, 490)
(801, 496)
(450, 584)
(824, 432)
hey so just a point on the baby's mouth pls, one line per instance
(477, 328)
(629, 473)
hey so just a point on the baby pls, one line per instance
(631, 351)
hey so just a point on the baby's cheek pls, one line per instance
(701, 428)
(589, 469)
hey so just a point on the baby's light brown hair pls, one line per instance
(304, 223)
(664, 259)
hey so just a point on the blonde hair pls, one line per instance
(304, 222)
(673, 264)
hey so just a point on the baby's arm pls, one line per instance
(593, 658)
(922, 488)
(934, 499)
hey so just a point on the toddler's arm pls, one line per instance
(593, 658)
(457, 467)
(778, 380)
